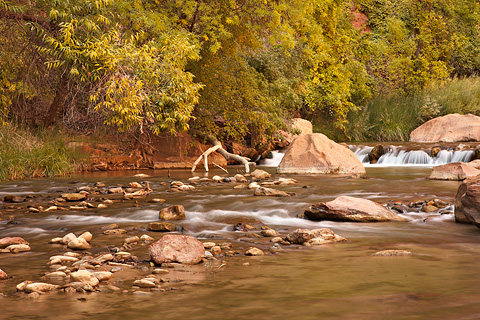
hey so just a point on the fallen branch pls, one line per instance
(217, 146)
(220, 167)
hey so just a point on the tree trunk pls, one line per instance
(60, 94)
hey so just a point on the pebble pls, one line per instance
(160, 271)
(385, 253)
(16, 248)
(209, 245)
(103, 275)
(40, 287)
(144, 283)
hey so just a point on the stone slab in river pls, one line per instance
(315, 153)
(449, 128)
(177, 248)
(453, 171)
(351, 209)
(467, 202)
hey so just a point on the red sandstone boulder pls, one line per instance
(8, 241)
(351, 209)
(302, 125)
(177, 248)
(315, 153)
(467, 202)
(449, 128)
(453, 171)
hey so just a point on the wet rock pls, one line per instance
(87, 236)
(103, 275)
(144, 283)
(115, 231)
(217, 179)
(393, 253)
(269, 233)
(240, 178)
(131, 240)
(285, 181)
(68, 237)
(313, 237)
(135, 185)
(400, 208)
(263, 191)
(177, 248)
(146, 238)
(103, 258)
(160, 271)
(102, 206)
(216, 250)
(253, 185)
(161, 226)
(260, 174)
(351, 209)
(7, 241)
(376, 153)
(78, 244)
(315, 153)
(40, 287)
(449, 128)
(453, 171)
(254, 252)
(84, 276)
(13, 199)
(467, 202)
(209, 245)
(62, 259)
(429, 209)
(176, 212)
(115, 190)
(17, 248)
(74, 196)
(57, 277)
(3, 275)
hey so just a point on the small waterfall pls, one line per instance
(277, 156)
(396, 156)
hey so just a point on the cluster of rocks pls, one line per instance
(426, 206)
(73, 242)
(13, 245)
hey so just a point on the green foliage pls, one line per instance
(25, 154)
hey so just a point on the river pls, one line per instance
(441, 280)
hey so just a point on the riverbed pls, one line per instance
(336, 281)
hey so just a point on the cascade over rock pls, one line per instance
(449, 128)
(467, 202)
(351, 209)
(315, 153)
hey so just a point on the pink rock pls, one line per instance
(8, 241)
(3, 275)
(453, 171)
(449, 128)
(177, 248)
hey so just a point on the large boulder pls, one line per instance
(453, 171)
(302, 125)
(351, 209)
(467, 201)
(315, 153)
(177, 248)
(449, 128)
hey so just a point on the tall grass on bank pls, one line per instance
(24, 153)
(392, 118)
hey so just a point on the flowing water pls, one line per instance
(441, 280)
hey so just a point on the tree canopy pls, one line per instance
(229, 68)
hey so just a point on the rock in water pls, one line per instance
(313, 237)
(453, 171)
(467, 202)
(74, 196)
(262, 191)
(351, 209)
(260, 174)
(84, 276)
(449, 128)
(176, 212)
(161, 226)
(3, 275)
(315, 153)
(177, 248)
(8, 241)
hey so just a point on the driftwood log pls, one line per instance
(217, 146)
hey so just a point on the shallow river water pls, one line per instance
(441, 280)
